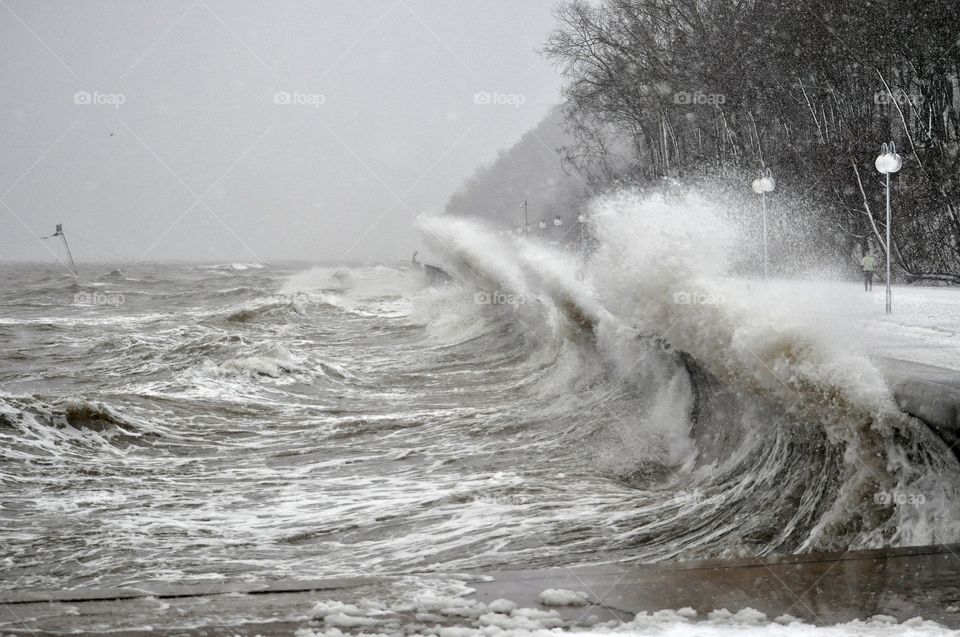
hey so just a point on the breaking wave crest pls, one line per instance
(748, 430)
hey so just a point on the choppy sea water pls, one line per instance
(258, 422)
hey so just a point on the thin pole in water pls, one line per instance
(63, 237)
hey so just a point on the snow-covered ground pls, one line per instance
(923, 327)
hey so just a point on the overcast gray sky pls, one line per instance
(255, 130)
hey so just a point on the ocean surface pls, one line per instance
(261, 421)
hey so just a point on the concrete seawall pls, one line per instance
(930, 394)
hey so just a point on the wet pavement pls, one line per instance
(820, 588)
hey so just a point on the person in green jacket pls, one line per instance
(869, 265)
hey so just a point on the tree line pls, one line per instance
(718, 89)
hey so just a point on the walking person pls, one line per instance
(869, 265)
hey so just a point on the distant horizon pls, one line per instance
(174, 261)
(234, 131)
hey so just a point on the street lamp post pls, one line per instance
(762, 185)
(526, 220)
(581, 219)
(888, 162)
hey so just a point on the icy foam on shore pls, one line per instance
(440, 614)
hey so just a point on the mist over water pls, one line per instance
(258, 422)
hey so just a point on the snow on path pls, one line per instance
(924, 326)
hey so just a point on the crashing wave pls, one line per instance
(777, 434)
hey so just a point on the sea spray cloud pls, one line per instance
(657, 256)
(792, 372)
(475, 252)
(658, 247)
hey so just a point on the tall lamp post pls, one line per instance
(762, 185)
(526, 220)
(581, 219)
(888, 162)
